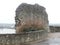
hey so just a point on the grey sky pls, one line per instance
(8, 7)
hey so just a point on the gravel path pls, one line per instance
(53, 39)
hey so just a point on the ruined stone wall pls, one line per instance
(23, 38)
(54, 28)
(31, 17)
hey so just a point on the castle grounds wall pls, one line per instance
(22, 38)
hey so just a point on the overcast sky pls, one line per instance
(8, 7)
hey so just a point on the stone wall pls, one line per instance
(30, 18)
(54, 28)
(23, 38)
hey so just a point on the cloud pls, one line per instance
(8, 7)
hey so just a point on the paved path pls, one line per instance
(53, 39)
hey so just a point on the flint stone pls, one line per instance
(30, 18)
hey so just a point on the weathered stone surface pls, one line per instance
(23, 38)
(31, 17)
